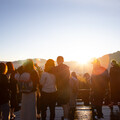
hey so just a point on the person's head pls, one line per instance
(60, 60)
(73, 74)
(113, 63)
(49, 65)
(3, 68)
(20, 70)
(96, 63)
(10, 67)
(86, 75)
(35, 64)
(28, 65)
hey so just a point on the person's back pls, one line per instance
(13, 88)
(28, 106)
(48, 82)
(99, 83)
(4, 89)
(25, 83)
(63, 87)
(48, 92)
(4, 92)
(115, 83)
(115, 76)
(63, 75)
(100, 80)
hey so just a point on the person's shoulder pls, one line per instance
(12, 75)
(102, 68)
(117, 67)
(64, 66)
(114, 68)
(33, 72)
(3, 76)
(111, 67)
(44, 73)
(74, 79)
(24, 76)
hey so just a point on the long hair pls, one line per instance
(3, 68)
(74, 74)
(10, 67)
(20, 69)
(28, 65)
(49, 65)
(86, 75)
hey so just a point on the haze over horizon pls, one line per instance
(76, 29)
(43, 59)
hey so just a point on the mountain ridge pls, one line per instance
(74, 66)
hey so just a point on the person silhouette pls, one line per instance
(114, 84)
(48, 91)
(4, 92)
(99, 84)
(63, 86)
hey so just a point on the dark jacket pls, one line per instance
(62, 76)
(115, 83)
(99, 80)
(4, 89)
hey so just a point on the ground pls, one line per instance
(83, 113)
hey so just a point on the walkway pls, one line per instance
(84, 113)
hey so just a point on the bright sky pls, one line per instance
(75, 29)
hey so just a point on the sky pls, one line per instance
(76, 29)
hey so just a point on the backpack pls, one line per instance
(25, 83)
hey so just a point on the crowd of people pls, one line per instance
(102, 87)
(55, 85)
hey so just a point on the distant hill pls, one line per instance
(106, 59)
(74, 66)
(39, 61)
(18, 63)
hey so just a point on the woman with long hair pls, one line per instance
(28, 83)
(48, 92)
(4, 92)
(13, 88)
